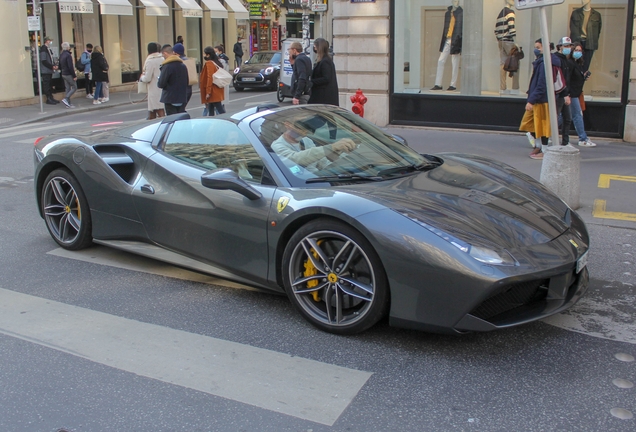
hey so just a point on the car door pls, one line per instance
(220, 227)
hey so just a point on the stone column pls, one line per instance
(473, 35)
(630, 109)
(16, 82)
(112, 48)
(361, 43)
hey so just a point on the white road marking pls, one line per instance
(251, 97)
(294, 386)
(27, 130)
(115, 258)
(20, 127)
(129, 111)
(26, 141)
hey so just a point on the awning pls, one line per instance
(190, 9)
(216, 9)
(237, 9)
(115, 7)
(156, 8)
(75, 6)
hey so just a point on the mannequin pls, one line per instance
(506, 32)
(451, 45)
(585, 27)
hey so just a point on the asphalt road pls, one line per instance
(103, 341)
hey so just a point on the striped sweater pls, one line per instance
(505, 26)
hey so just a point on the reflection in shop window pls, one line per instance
(129, 47)
(459, 47)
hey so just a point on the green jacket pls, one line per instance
(593, 28)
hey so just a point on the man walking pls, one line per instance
(301, 66)
(68, 74)
(47, 69)
(86, 61)
(238, 53)
(173, 80)
(191, 65)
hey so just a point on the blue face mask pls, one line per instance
(567, 51)
(577, 54)
(537, 52)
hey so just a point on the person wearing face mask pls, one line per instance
(563, 100)
(86, 61)
(211, 95)
(536, 120)
(47, 69)
(324, 89)
(577, 80)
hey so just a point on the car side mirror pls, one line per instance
(226, 179)
(400, 139)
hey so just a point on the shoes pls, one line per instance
(537, 155)
(66, 102)
(436, 87)
(96, 102)
(105, 100)
(451, 88)
(89, 96)
(514, 91)
(530, 139)
(504, 92)
(587, 143)
(50, 102)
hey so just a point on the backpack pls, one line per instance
(559, 79)
(79, 65)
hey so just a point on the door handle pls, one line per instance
(148, 189)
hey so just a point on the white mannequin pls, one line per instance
(511, 3)
(442, 60)
(506, 32)
(586, 4)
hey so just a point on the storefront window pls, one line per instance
(164, 30)
(86, 30)
(129, 46)
(458, 47)
(217, 32)
(193, 38)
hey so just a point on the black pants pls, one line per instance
(173, 109)
(565, 119)
(46, 86)
(89, 85)
(219, 108)
(587, 55)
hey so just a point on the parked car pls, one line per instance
(318, 203)
(260, 71)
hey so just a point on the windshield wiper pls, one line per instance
(406, 169)
(343, 178)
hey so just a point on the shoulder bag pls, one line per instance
(221, 77)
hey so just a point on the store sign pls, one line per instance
(33, 22)
(362, 1)
(319, 6)
(275, 38)
(529, 4)
(192, 13)
(76, 7)
(293, 4)
(256, 7)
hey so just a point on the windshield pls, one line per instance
(315, 144)
(265, 57)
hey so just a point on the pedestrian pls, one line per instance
(105, 84)
(238, 52)
(150, 75)
(86, 61)
(173, 80)
(191, 64)
(577, 80)
(47, 69)
(563, 100)
(536, 120)
(99, 73)
(225, 61)
(301, 75)
(324, 84)
(69, 77)
(179, 40)
(211, 95)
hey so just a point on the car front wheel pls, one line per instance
(65, 210)
(334, 278)
(279, 92)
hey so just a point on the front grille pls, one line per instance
(517, 295)
(250, 78)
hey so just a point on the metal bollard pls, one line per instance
(561, 172)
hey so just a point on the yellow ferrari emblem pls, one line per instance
(282, 203)
(332, 278)
(574, 243)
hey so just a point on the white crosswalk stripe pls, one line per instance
(295, 386)
(29, 130)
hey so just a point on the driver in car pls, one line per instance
(295, 146)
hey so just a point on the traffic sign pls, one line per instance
(33, 23)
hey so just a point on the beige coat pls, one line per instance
(150, 75)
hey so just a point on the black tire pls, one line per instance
(66, 211)
(238, 89)
(357, 287)
(279, 92)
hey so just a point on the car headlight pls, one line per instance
(269, 71)
(237, 70)
(481, 253)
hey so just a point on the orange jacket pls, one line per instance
(206, 84)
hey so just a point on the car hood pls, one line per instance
(473, 197)
(255, 68)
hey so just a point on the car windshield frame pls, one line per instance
(261, 55)
(305, 143)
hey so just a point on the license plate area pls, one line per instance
(249, 79)
(581, 263)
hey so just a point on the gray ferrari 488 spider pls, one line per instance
(315, 202)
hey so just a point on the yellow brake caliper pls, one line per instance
(311, 270)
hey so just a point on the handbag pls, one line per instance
(193, 76)
(142, 87)
(221, 78)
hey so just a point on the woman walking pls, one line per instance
(99, 73)
(324, 88)
(577, 81)
(150, 75)
(211, 95)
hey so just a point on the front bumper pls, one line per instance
(254, 80)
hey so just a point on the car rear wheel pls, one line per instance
(65, 210)
(334, 278)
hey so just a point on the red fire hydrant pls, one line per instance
(358, 99)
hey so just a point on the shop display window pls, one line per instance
(129, 46)
(458, 47)
(217, 33)
(165, 35)
(193, 39)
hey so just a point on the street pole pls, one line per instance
(549, 77)
(36, 12)
(306, 28)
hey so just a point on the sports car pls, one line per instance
(260, 71)
(315, 202)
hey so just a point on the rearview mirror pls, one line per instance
(226, 179)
